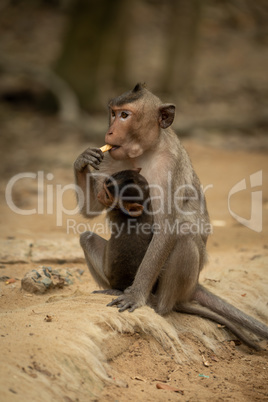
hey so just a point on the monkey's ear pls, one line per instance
(166, 115)
(134, 209)
(139, 87)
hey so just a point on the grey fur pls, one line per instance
(173, 260)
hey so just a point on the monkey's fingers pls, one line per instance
(106, 148)
(119, 302)
(123, 304)
(128, 306)
(114, 302)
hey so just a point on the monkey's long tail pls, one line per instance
(205, 313)
(224, 309)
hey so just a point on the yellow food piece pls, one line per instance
(106, 148)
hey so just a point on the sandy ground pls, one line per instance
(66, 345)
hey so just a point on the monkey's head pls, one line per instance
(127, 191)
(135, 122)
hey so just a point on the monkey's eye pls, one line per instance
(113, 113)
(124, 115)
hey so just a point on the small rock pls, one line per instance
(32, 282)
(4, 278)
(42, 279)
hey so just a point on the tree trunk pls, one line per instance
(93, 53)
(181, 45)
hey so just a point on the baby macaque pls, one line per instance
(126, 196)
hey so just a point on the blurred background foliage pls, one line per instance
(65, 58)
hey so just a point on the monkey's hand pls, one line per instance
(129, 300)
(91, 156)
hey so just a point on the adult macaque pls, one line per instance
(126, 195)
(140, 135)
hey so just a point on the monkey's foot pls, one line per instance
(111, 292)
(126, 301)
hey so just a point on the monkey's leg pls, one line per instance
(179, 276)
(94, 250)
